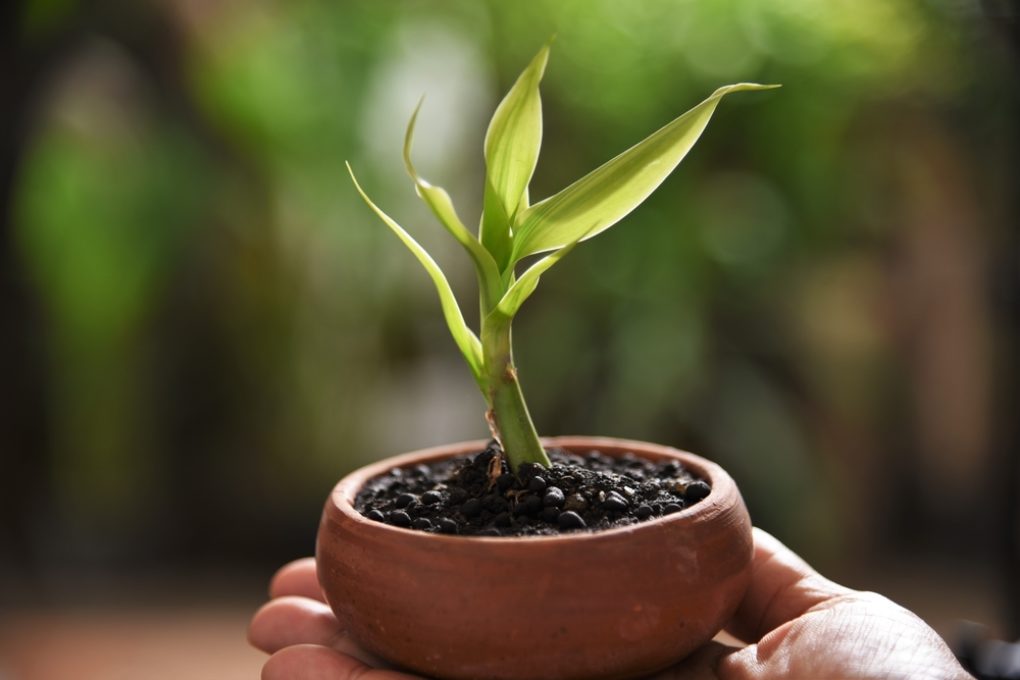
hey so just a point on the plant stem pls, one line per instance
(507, 410)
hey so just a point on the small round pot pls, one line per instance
(620, 603)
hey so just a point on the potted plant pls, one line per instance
(569, 557)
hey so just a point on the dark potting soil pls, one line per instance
(468, 496)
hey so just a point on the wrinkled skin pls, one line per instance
(801, 625)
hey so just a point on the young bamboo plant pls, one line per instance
(512, 228)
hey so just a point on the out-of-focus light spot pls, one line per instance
(792, 31)
(839, 308)
(95, 98)
(435, 61)
(716, 46)
(744, 220)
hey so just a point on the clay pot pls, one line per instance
(621, 603)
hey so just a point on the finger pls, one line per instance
(292, 620)
(312, 662)
(783, 587)
(297, 578)
(701, 665)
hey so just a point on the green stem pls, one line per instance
(508, 413)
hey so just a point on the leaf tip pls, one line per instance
(409, 138)
(541, 59)
(753, 86)
(357, 186)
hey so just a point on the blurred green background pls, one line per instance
(204, 328)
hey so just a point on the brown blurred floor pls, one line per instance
(125, 644)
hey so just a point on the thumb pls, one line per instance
(802, 625)
(783, 587)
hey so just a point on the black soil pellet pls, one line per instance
(399, 518)
(615, 502)
(529, 470)
(529, 505)
(494, 503)
(471, 507)
(553, 497)
(696, 491)
(586, 492)
(570, 520)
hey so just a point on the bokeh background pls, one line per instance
(203, 327)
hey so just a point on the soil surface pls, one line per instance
(479, 496)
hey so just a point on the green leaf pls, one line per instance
(512, 143)
(466, 340)
(523, 287)
(610, 192)
(442, 207)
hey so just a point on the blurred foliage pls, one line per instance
(229, 330)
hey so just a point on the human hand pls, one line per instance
(800, 624)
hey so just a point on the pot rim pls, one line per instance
(341, 498)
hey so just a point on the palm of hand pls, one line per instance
(804, 625)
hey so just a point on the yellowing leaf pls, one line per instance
(606, 195)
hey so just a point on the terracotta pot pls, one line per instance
(621, 603)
